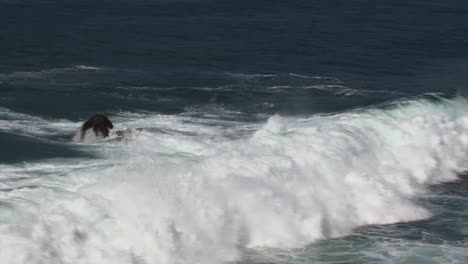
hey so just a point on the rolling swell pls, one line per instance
(195, 194)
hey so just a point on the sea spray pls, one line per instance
(195, 195)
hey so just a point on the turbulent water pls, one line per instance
(253, 132)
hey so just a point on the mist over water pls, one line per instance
(245, 132)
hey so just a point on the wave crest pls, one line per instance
(195, 196)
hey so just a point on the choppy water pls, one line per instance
(266, 132)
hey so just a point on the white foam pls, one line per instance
(347, 91)
(45, 73)
(185, 193)
(33, 126)
(336, 89)
(314, 77)
(84, 67)
(250, 75)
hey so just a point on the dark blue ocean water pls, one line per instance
(270, 102)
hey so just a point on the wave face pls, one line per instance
(189, 190)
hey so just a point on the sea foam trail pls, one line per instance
(196, 196)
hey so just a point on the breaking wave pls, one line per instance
(182, 190)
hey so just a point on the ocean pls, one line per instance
(287, 132)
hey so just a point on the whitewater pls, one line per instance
(187, 189)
